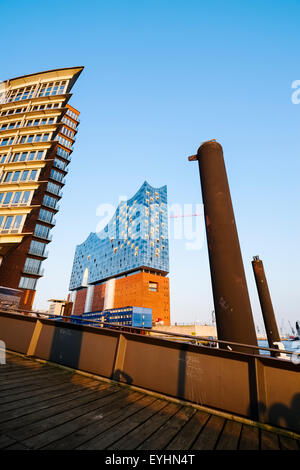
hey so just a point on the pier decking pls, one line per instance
(48, 407)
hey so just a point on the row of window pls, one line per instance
(15, 198)
(49, 201)
(46, 216)
(67, 132)
(69, 122)
(27, 283)
(31, 122)
(24, 139)
(53, 188)
(29, 108)
(57, 176)
(16, 176)
(72, 115)
(60, 164)
(37, 248)
(63, 141)
(63, 153)
(51, 88)
(32, 266)
(21, 156)
(42, 231)
(11, 223)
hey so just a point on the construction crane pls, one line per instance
(184, 215)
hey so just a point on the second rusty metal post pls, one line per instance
(266, 304)
(233, 311)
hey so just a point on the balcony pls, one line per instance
(41, 253)
(43, 235)
(33, 270)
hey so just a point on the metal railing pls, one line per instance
(201, 341)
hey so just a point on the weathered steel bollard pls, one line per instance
(233, 311)
(266, 305)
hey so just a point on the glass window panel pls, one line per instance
(25, 197)
(17, 221)
(8, 222)
(16, 197)
(33, 175)
(7, 198)
(25, 175)
(16, 176)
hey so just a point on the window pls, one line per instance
(25, 197)
(41, 231)
(16, 197)
(7, 198)
(25, 175)
(7, 176)
(8, 222)
(31, 155)
(16, 176)
(33, 174)
(17, 222)
(27, 283)
(153, 286)
(37, 248)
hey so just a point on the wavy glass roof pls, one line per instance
(135, 238)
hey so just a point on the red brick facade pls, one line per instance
(137, 290)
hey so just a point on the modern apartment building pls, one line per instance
(37, 133)
(127, 263)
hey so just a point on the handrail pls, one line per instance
(166, 333)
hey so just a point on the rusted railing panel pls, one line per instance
(261, 388)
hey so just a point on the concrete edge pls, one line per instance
(222, 414)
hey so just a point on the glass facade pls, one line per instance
(136, 237)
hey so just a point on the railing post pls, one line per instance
(258, 407)
(34, 339)
(119, 358)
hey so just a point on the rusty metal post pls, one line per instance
(266, 304)
(231, 298)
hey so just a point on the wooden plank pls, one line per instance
(17, 446)
(161, 438)
(34, 398)
(188, 433)
(5, 441)
(52, 438)
(91, 433)
(91, 424)
(249, 438)
(38, 385)
(35, 421)
(29, 434)
(136, 437)
(288, 444)
(210, 434)
(35, 390)
(116, 432)
(268, 440)
(229, 438)
(40, 375)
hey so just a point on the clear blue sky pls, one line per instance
(161, 77)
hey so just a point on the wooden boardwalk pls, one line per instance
(46, 407)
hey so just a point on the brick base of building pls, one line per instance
(143, 289)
